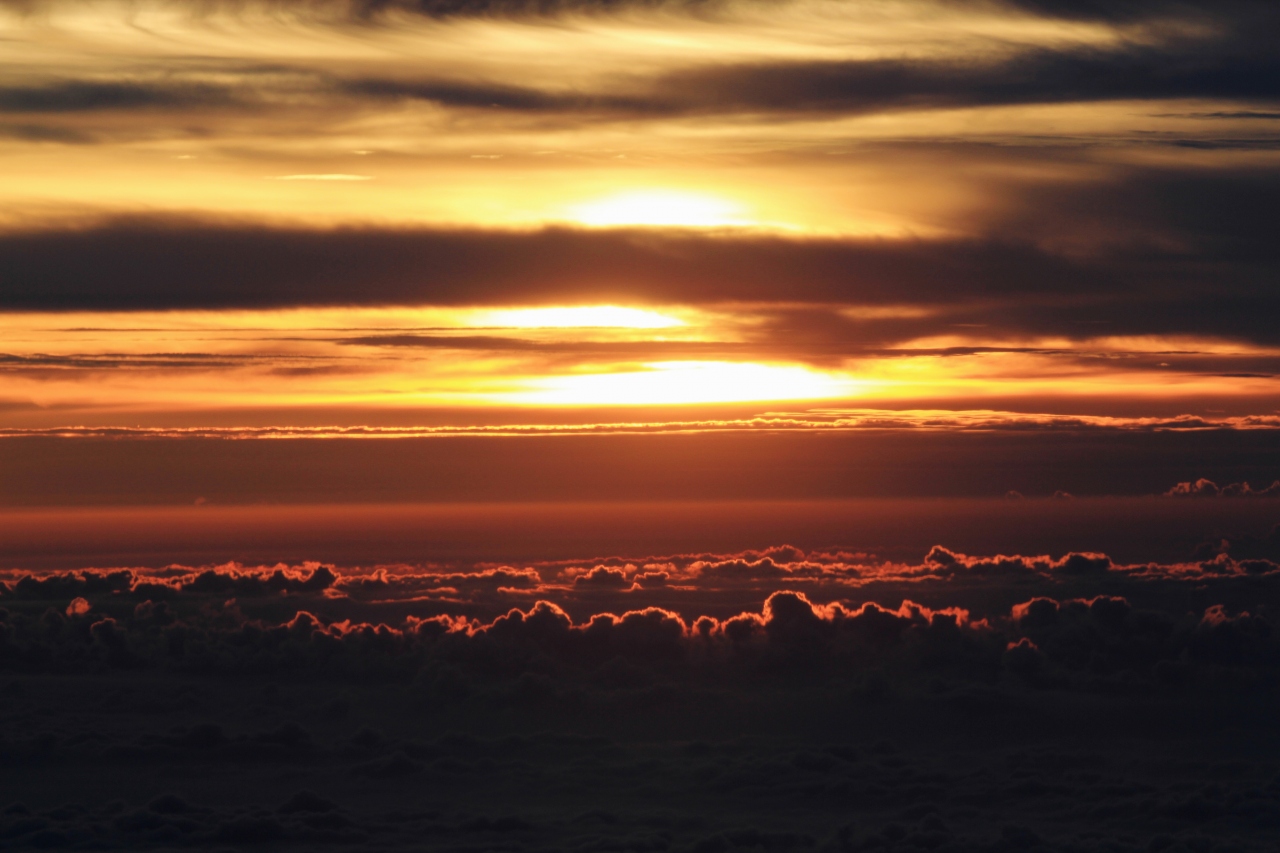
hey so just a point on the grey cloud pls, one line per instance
(46, 133)
(71, 96)
(1101, 10)
(1231, 60)
(494, 96)
(1038, 76)
(1147, 251)
(377, 11)
(1248, 114)
(130, 263)
(1245, 71)
(1205, 488)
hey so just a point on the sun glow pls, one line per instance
(113, 368)
(660, 207)
(577, 317)
(678, 382)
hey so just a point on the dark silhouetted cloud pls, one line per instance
(1029, 78)
(1057, 639)
(1210, 278)
(83, 96)
(1204, 488)
(294, 715)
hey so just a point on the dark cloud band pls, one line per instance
(1185, 253)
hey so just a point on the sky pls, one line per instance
(345, 213)
(653, 251)
(640, 425)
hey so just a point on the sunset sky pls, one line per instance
(640, 426)
(349, 214)
(651, 251)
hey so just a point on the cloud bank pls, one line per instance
(304, 706)
(1218, 287)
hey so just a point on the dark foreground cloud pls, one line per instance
(188, 625)
(1204, 488)
(664, 601)
(277, 707)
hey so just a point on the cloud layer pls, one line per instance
(1042, 708)
(1217, 286)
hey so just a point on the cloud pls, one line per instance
(129, 263)
(45, 133)
(688, 587)
(1139, 9)
(1211, 278)
(1223, 56)
(73, 96)
(1181, 70)
(639, 728)
(1179, 53)
(385, 11)
(781, 89)
(602, 577)
(1059, 640)
(1205, 488)
(813, 420)
(498, 96)
(207, 582)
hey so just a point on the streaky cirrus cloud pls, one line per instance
(1238, 69)
(365, 9)
(830, 420)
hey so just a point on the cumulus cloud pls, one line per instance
(688, 581)
(1205, 488)
(681, 598)
(893, 722)
(1064, 640)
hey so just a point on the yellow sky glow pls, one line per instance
(685, 382)
(660, 207)
(65, 369)
(580, 316)
(929, 140)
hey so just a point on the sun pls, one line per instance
(662, 208)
